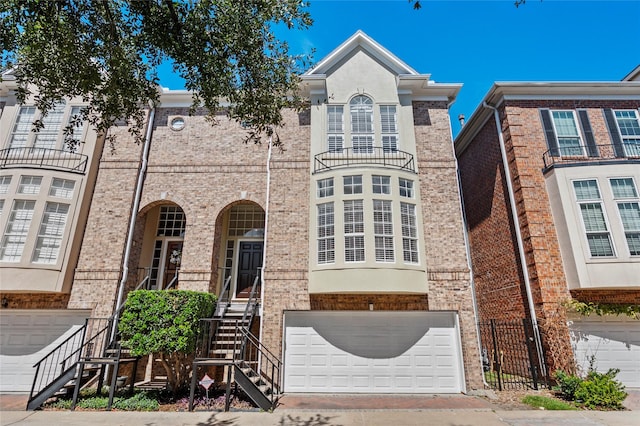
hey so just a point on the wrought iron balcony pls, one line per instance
(43, 158)
(595, 153)
(350, 157)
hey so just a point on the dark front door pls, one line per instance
(249, 261)
(172, 262)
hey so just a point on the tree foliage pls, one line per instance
(166, 324)
(107, 52)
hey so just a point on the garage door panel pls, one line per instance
(405, 353)
(614, 342)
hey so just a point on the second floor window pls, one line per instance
(629, 128)
(569, 142)
(626, 197)
(593, 217)
(335, 128)
(51, 135)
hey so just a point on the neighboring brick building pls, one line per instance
(573, 155)
(359, 212)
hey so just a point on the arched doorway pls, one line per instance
(243, 242)
(162, 246)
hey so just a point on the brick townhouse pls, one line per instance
(550, 176)
(356, 226)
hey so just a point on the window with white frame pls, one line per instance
(5, 181)
(353, 231)
(325, 188)
(335, 127)
(326, 233)
(50, 233)
(625, 195)
(567, 133)
(629, 128)
(409, 232)
(381, 184)
(61, 188)
(362, 135)
(22, 127)
(47, 136)
(29, 185)
(593, 217)
(405, 187)
(352, 184)
(383, 231)
(1, 207)
(171, 222)
(389, 128)
(16, 231)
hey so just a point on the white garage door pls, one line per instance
(372, 352)
(26, 336)
(613, 341)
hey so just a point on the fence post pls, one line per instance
(495, 354)
(532, 364)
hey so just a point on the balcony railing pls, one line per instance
(350, 157)
(43, 158)
(597, 153)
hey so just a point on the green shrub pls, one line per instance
(567, 384)
(601, 391)
(138, 402)
(166, 324)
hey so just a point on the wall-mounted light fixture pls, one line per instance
(371, 306)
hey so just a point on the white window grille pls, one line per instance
(593, 218)
(383, 231)
(352, 184)
(567, 133)
(361, 109)
(354, 231)
(626, 196)
(409, 232)
(335, 127)
(389, 127)
(325, 188)
(406, 188)
(629, 127)
(5, 181)
(29, 185)
(47, 136)
(326, 233)
(171, 222)
(16, 231)
(381, 184)
(23, 126)
(61, 188)
(50, 233)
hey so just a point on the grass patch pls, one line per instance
(547, 403)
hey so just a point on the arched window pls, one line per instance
(361, 109)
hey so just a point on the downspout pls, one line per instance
(516, 222)
(134, 214)
(467, 249)
(266, 227)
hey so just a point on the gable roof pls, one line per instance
(363, 41)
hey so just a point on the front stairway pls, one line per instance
(79, 360)
(226, 341)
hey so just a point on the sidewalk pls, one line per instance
(324, 418)
(338, 410)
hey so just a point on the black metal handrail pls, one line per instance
(43, 158)
(89, 341)
(224, 300)
(261, 360)
(367, 156)
(590, 153)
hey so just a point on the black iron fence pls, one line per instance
(511, 357)
(367, 156)
(43, 158)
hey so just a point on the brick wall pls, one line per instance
(34, 300)
(447, 269)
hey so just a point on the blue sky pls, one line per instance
(479, 42)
